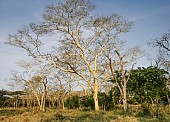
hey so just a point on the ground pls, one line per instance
(55, 115)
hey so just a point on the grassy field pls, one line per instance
(55, 115)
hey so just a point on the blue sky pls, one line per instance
(151, 19)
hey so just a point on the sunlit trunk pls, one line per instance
(63, 107)
(124, 98)
(52, 103)
(43, 102)
(23, 102)
(14, 104)
(58, 103)
(96, 103)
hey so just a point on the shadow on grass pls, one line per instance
(10, 112)
(89, 117)
(83, 117)
(58, 118)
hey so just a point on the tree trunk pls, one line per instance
(58, 103)
(17, 103)
(43, 102)
(43, 105)
(43, 99)
(95, 96)
(23, 102)
(124, 99)
(34, 101)
(52, 103)
(168, 100)
(14, 104)
(63, 107)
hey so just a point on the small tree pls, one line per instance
(62, 85)
(36, 81)
(121, 67)
(4, 98)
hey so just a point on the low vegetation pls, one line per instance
(54, 115)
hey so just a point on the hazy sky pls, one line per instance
(151, 19)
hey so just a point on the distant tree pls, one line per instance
(4, 98)
(15, 96)
(10, 98)
(63, 85)
(34, 80)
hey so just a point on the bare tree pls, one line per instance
(163, 45)
(83, 40)
(15, 93)
(121, 67)
(62, 83)
(35, 80)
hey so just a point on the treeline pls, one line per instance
(149, 86)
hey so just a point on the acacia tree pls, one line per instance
(121, 68)
(83, 40)
(62, 83)
(13, 86)
(35, 80)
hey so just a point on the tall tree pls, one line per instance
(84, 38)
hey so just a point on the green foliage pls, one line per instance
(87, 102)
(144, 111)
(72, 102)
(148, 85)
(105, 102)
(114, 93)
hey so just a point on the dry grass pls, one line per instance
(55, 115)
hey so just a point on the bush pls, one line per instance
(72, 103)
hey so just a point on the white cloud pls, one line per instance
(141, 17)
(153, 13)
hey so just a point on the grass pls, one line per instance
(7, 113)
(10, 112)
(55, 115)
